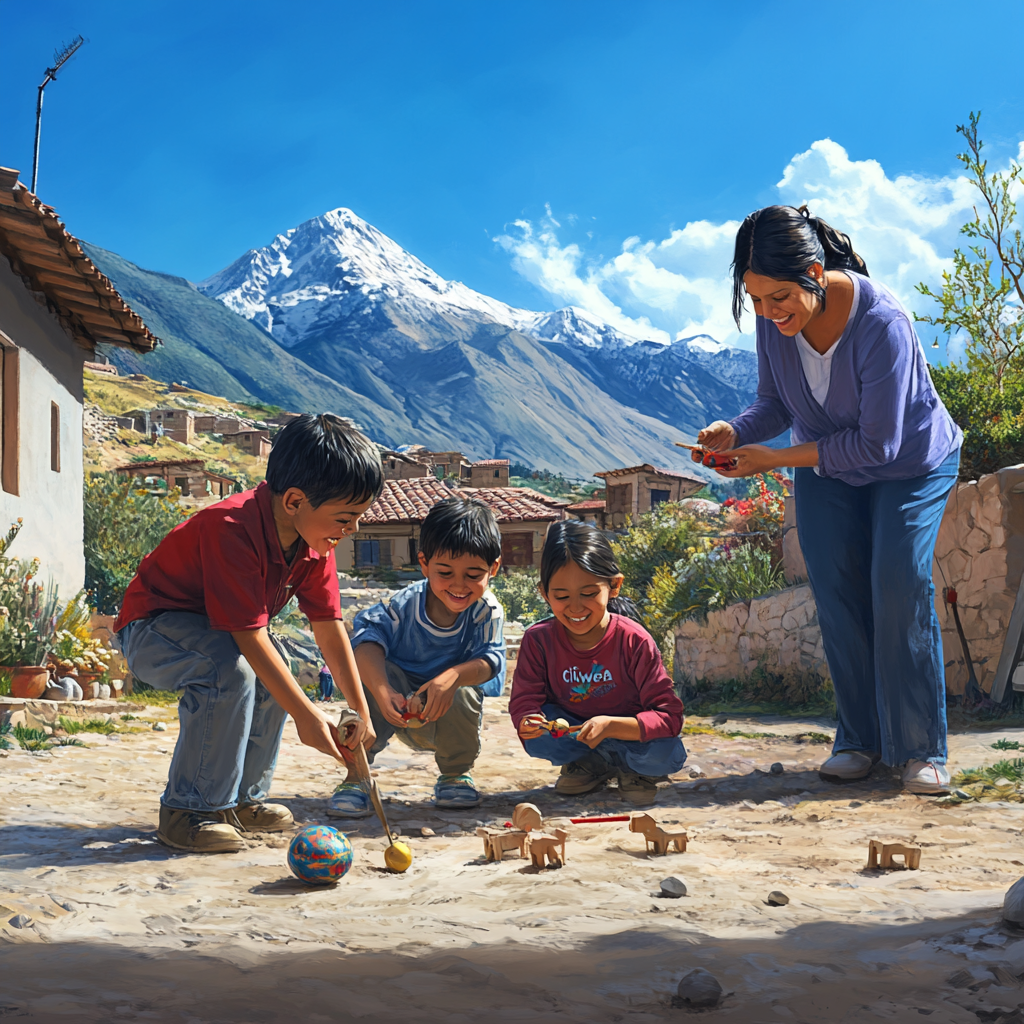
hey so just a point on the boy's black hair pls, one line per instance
(461, 526)
(327, 459)
(588, 547)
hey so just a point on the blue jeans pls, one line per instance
(654, 757)
(869, 556)
(230, 725)
(326, 686)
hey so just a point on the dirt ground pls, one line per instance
(122, 929)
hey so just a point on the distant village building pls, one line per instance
(255, 442)
(489, 473)
(177, 424)
(215, 423)
(190, 476)
(637, 489)
(55, 307)
(589, 511)
(108, 368)
(389, 531)
(402, 467)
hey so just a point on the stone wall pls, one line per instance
(980, 553)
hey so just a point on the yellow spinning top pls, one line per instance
(398, 857)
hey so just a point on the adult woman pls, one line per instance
(876, 455)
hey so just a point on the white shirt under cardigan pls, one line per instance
(817, 367)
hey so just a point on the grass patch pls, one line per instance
(1012, 770)
(803, 737)
(130, 718)
(73, 726)
(1006, 745)
(31, 739)
(146, 695)
(68, 741)
(5, 732)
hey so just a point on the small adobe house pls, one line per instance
(489, 473)
(637, 489)
(389, 531)
(55, 307)
(190, 476)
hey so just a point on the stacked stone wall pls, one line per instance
(979, 553)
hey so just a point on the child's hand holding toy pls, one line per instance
(531, 727)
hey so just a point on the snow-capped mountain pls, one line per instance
(431, 361)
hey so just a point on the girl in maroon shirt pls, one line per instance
(595, 666)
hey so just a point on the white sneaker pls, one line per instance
(847, 765)
(925, 777)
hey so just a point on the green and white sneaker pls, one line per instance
(349, 801)
(456, 791)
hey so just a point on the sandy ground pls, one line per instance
(123, 929)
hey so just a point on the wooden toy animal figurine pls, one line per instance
(656, 836)
(541, 846)
(560, 727)
(498, 840)
(880, 854)
(527, 817)
(706, 456)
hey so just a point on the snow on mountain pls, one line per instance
(338, 268)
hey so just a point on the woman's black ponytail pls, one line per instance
(783, 242)
(587, 546)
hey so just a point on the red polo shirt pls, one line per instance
(226, 563)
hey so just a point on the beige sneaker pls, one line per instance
(583, 775)
(199, 831)
(639, 790)
(264, 817)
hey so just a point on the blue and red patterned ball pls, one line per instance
(320, 855)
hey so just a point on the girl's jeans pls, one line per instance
(869, 555)
(653, 758)
(230, 725)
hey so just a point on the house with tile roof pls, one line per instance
(55, 307)
(489, 473)
(389, 531)
(633, 490)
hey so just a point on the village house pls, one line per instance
(489, 473)
(55, 307)
(215, 423)
(177, 424)
(398, 466)
(255, 442)
(589, 511)
(389, 530)
(190, 476)
(637, 489)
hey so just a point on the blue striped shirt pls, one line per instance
(423, 649)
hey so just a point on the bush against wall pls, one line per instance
(516, 591)
(122, 525)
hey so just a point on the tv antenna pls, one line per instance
(60, 58)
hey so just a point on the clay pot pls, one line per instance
(104, 691)
(29, 681)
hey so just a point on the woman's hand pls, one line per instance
(717, 436)
(751, 459)
(531, 727)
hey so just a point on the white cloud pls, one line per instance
(904, 227)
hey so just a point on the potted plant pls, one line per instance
(27, 619)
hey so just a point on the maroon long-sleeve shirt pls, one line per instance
(622, 676)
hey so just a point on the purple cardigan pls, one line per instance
(882, 418)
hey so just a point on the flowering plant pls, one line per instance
(27, 609)
(765, 505)
(71, 653)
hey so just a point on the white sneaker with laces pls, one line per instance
(848, 765)
(925, 777)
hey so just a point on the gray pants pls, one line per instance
(454, 738)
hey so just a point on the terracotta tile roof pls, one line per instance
(406, 501)
(50, 261)
(648, 468)
(510, 506)
(586, 506)
(409, 501)
(490, 462)
(545, 499)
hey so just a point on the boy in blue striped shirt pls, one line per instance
(429, 657)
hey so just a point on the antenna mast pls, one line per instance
(60, 58)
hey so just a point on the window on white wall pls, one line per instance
(9, 416)
(55, 437)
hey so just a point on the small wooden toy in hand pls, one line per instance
(559, 727)
(413, 713)
(706, 456)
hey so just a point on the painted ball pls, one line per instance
(398, 857)
(320, 855)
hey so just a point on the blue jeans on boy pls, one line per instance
(869, 556)
(230, 724)
(653, 757)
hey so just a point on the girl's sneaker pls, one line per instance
(639, 790)
(583, 775)
(456, 791)
(848, 765)
(349, 801)
(925, 777)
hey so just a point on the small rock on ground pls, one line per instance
(699, 989)
(777, 898)
(673, 887)
(1013, 903)
(777, 768)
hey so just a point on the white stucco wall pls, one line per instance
(49, 503)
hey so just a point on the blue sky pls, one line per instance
(542, 152)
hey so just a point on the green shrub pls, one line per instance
(31, 739)
(73, 726)
(122, 525)
(516, 591)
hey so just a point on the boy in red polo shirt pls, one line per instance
(195, 619)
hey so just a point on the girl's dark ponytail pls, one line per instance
(625, 607)
(783, 242)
